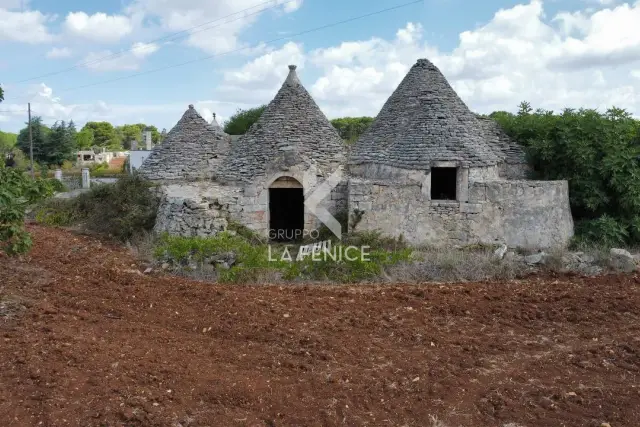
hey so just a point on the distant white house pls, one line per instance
(137, 157)
(90, 157)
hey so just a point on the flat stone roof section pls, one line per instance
(424, 121)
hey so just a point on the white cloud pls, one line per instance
(130, 60)
(98, 27)
(46, 104)
(59, 52)
(51, 108)
(579, 59)
(611, 37)
(292, 5)
(205, 112)
(14, 25)
(261, 77)
(219, 23)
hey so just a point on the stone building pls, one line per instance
(427, 169)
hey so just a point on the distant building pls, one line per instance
(137, 156)
(90, 157)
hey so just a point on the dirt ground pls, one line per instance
(88, 340)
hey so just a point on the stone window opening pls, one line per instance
(444, 183)
(286, 210)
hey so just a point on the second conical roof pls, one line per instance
(424, 121)
(291, 130)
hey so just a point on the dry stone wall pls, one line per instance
(527, 214)
(205, 208)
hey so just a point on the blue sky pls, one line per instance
(495, 53)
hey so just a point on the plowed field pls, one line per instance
(86, 339)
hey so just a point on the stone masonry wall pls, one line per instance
(205, 208)
(195, 209)
(528, 214)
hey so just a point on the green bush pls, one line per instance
(121, 210)
(603, 231)
(56, 212)
(17, 192)
(57, 186)
(599, 155)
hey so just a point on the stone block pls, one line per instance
(364, 206)
(477, 193)
(472, 208)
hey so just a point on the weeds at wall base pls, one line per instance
(231, 258)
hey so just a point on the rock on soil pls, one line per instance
(98, 345)
(622, 260)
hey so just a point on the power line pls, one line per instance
(172, 36)
(389, 9)
(245, 48)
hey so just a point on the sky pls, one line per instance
(145, 61)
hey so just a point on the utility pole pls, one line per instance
(31, 142)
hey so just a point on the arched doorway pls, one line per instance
(286, 209)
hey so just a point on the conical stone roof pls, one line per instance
(506, 148)
(215, 123)
(424, 121)
(192, 150)
(292, 130)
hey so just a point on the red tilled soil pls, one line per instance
(100, 344)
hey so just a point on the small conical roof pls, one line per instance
(192, 150)
(424, 121)
(292, 130)
(215, 123)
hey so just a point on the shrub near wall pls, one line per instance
(121, 210)
(599, 155)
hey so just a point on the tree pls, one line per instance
(40, 133)
(17, 192)
(104, 134)
(129, 133)
(241, 121)
(71, 128)
(598, 154)
(1, 94)
(350, 128)
(60, 144)
(163, 136)
(84, 139)
(155, 135)
(7, 141)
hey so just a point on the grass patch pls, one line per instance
(260, 263)
(454, 265)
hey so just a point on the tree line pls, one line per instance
(349, 128)
(598, 153)
(52, 145)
